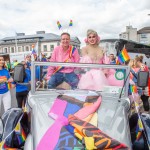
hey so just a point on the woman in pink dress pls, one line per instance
(94, 79)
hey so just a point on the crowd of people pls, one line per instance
(91, 53)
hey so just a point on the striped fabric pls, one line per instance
(71, 51)
(75, 126)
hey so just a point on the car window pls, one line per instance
(110, 79)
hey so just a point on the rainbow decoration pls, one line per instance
(71, 51)
(59, 25)
(133, 88)
(21, 136)
(123, 56)
(139, 129)
(71, 23)
(9, 85)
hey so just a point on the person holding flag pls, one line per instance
(63, 53)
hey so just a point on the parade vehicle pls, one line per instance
(85, 118)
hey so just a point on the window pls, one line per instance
(143, 35)
(27, 48)
(51, 47)
(12, 50)
(45, 48)
(5, 50)
(19, 49)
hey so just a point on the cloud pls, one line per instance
(109, 18)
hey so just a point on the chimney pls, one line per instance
(20, 34)
(40, 32)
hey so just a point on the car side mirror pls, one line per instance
(142, 79)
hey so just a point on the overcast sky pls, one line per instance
(107, 17)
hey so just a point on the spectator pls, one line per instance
(28, 61)
(5, 79)
(22, 89)
(139, 63)
(112, 59)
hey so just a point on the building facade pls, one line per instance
(21, 44)
(141, 36)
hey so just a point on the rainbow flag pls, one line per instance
(133, 88)
(21, 136)
(139, 129)
(3, 146)
(123, 56)
(71, 23)
(71, 51)
(58, 24)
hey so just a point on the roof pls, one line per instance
(42, 37)
(144, 30)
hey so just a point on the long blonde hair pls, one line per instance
(131, 63)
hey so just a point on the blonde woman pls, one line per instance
(94, 79)
(139, 63)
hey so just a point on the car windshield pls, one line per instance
(49, 76)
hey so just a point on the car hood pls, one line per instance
(112, 116)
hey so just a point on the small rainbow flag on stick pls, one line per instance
(139, 129)
(21, 136)
(59, 25)
(133, 88)
(123, 56)
(71, 23)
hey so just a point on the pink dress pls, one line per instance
(94, 79)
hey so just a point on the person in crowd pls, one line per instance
(133, 81)
(112, 59)
(5, 79)
(93, 53)
(28, 61)
(15, 63)
(63, 53)
(22, 89)
(139, 63)
(8, 65)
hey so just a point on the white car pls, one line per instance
(104, 124)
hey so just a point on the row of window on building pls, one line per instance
(24, 49)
